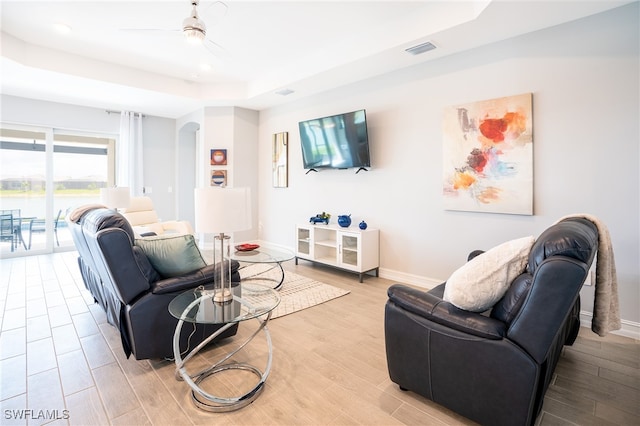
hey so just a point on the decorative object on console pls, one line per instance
(219, 211)
(218, 157)
(320, 218)
(344, 220)
(115, 197)
(279, 160)
(363, 225)
(488, 156)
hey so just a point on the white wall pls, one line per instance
(584, 79)
(158, 135)
(17, 110)
(245, 163)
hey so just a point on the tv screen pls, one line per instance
(339, 141)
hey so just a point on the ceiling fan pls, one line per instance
(194, 28)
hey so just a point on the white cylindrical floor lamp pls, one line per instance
(116, 197)
(221, 211)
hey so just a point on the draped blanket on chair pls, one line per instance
(606, 306)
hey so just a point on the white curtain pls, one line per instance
(129, 170)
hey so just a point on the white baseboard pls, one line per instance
(404, 278)
(629, 328)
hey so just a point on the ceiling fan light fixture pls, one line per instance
(194, 28)
(193, 35)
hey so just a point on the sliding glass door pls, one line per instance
(44, 174)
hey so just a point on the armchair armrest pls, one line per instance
(160, 228)
(177, 226)
(203, 276)
(435, 309)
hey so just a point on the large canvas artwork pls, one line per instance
(488, 156)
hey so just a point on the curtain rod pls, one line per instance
(112, 111)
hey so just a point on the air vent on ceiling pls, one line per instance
(420, 48)
(285, 92)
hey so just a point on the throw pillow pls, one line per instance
(482, 281)
(172, 256)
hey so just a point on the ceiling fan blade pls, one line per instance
(215, 11)
(150, 29)
(216, 49)
(193, 23)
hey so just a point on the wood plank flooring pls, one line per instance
(60, 359)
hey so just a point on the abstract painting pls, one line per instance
(488, 156)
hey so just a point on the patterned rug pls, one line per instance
(296, 293)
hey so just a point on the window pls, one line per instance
(44, 173)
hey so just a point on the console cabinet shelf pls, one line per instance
(349, 248)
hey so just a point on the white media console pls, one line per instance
(349, 248)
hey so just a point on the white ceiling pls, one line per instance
(267, 46)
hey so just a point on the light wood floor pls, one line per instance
(58, 353)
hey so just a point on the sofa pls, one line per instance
(134, 294)
(494, 367)
(144, 219)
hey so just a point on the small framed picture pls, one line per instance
(218, 178)
(218, 157)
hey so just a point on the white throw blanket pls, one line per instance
(606, 306)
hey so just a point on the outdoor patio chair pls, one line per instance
(6, 229)
(12, 228)
(39, 226)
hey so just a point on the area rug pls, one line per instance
(296, 293)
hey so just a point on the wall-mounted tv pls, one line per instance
(337, 142)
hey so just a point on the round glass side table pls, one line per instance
(268, 255)
(250, 301)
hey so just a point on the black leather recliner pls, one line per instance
(133, 295)
(494, 368)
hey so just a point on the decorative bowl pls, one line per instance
(247, 247)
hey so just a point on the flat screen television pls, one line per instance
(336, 142)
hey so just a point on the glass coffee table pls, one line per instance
(267, 255)
(250, 301)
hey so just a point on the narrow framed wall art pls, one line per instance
(279, 160)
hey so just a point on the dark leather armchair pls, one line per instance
(134, 296)
(494, 367)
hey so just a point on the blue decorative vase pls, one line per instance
(363, 225)
(344, 220)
